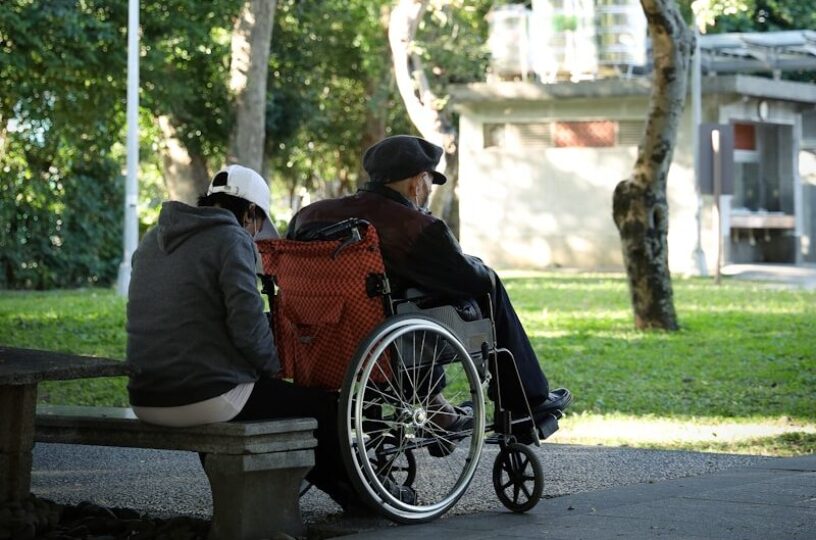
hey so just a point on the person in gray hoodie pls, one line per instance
(199, 343)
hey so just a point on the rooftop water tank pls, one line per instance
(562, 38)
(621, 28)
(508, 41)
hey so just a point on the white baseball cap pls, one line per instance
(246, 184)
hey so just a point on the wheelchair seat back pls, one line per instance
(473, 334)
(329, 298)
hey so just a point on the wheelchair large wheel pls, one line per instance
(395, 463)
(518, 478)
(388, 414)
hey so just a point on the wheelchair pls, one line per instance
(339, 327)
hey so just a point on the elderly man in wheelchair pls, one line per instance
(372, 296)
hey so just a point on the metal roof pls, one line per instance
(793, 50)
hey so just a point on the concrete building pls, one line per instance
(539, 162)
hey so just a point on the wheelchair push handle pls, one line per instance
(348, 229)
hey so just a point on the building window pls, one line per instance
(494, 135)
(566, 134)
(809, 129)
(594, 134)
(538, 134)
(630, 132)
(744, 137)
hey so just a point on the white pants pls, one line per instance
(221, 408)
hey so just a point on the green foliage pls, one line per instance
(60, 229)
(184, 69)
(63, 67)
(719, 16)
(60, 108)
(452, 40)
(329, 74)
(331, 79)
(60, 65)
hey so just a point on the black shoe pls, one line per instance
(358, 509)
(545, 416)
(560, 399)
(445, 442)
(406, 494)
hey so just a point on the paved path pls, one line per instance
(164, 483)
(788, 275)
(773, 500)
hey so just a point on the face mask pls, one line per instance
(255, 230)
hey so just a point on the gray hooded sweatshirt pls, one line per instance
(195, 321)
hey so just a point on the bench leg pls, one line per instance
(17, 406)
(256, 495)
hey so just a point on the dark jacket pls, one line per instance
(418, 249)
(195, 321)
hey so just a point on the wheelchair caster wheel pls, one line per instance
(518, 478)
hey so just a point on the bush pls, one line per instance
(59, 229)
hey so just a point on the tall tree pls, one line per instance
(186, 175)
(640, 208)
(422, 104)
(330, 93)
(378, 85)
(185, 75)
(248, 81)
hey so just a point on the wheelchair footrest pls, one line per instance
(549, 425)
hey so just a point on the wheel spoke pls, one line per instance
(398, 444)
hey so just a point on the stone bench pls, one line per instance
(254, 468)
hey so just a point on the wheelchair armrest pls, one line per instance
(412, 294)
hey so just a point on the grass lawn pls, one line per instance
(740, 376)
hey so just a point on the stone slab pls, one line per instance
(28, 366)
(116, 427)
(262, 462)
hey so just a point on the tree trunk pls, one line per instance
(249, 66)
(373, 131)
(378, 86)
(640, 208)
(3, 132)
(421, 104)
(185, 173)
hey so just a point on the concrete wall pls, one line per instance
(807, 174)
(534, 206)
(531, 206)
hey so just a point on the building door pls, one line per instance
(762, 215)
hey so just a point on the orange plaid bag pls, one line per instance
(322, 310)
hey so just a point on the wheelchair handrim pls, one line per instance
(377, 347)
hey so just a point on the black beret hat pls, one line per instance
(402, 156)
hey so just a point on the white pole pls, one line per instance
(696, 113)
(716, 160)
(131, 229)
